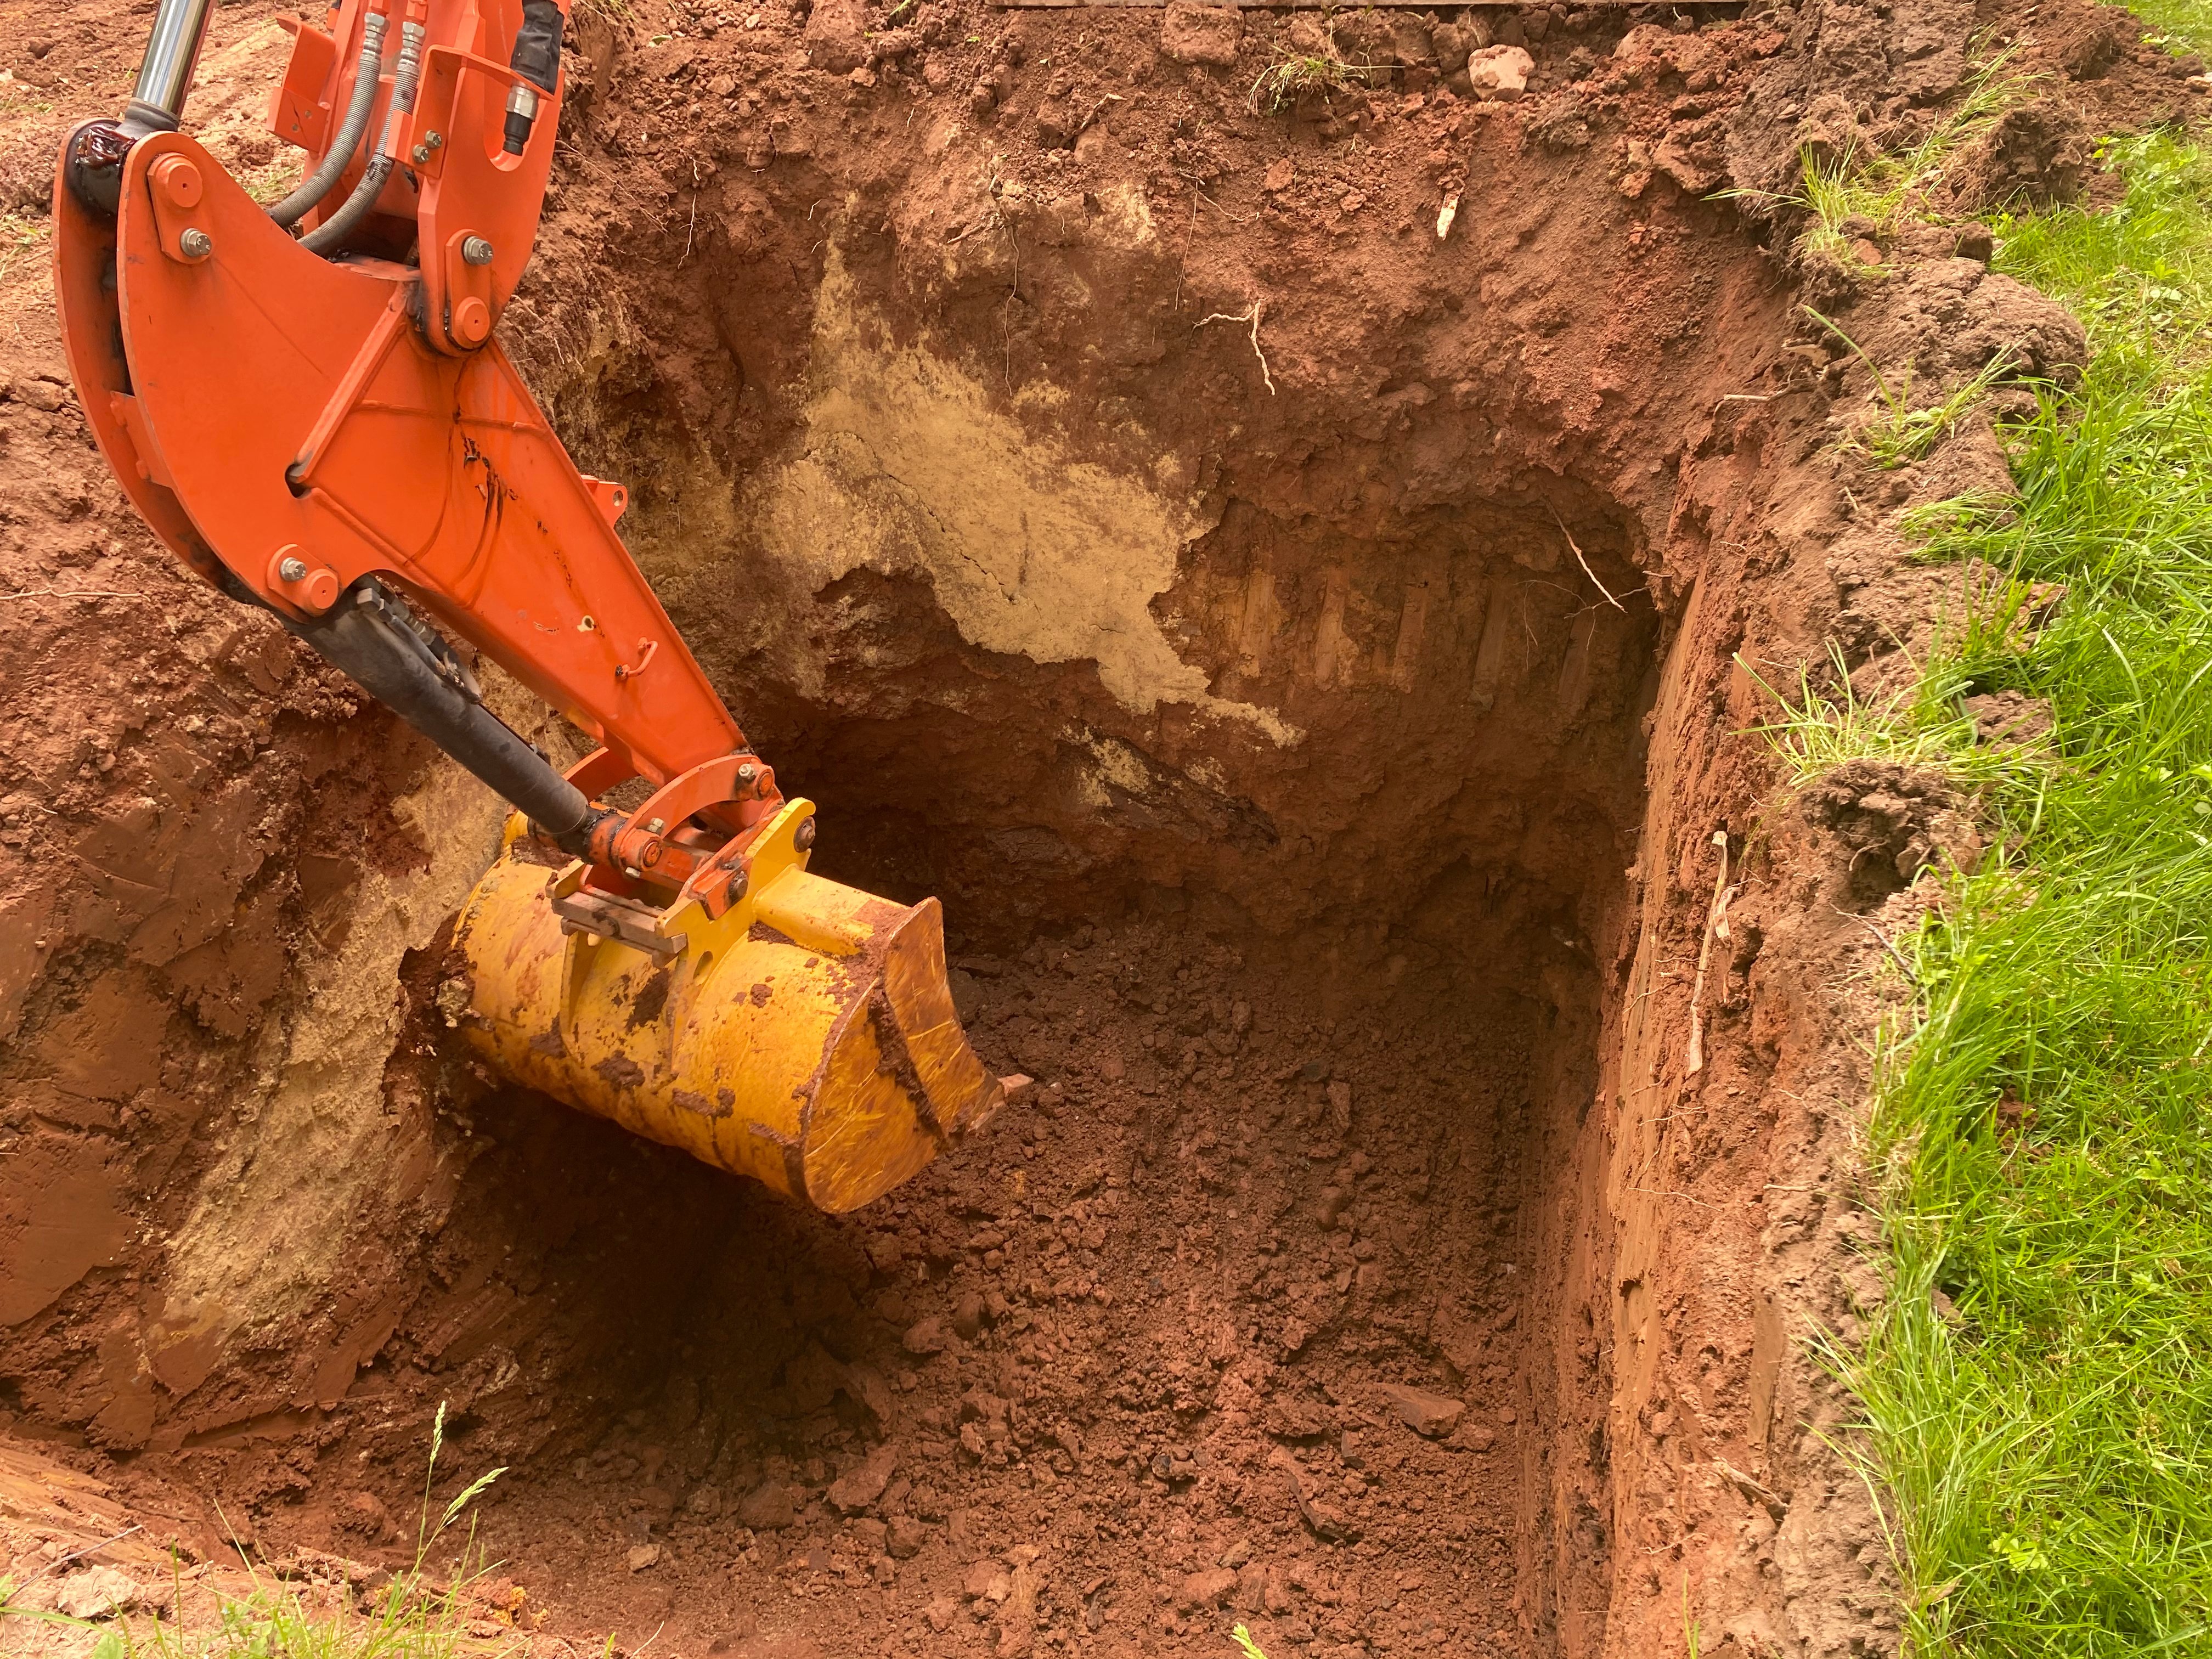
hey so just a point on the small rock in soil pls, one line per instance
(967, 1315)
(1499, 72)
(987, 1581)
(643, 1557)
(100, 1592)
(1201, 35)
(903, 1537)
(837, 36)
(941, 1612)
(926, 1337)
(1431, 1415)
(1208, 1589)
(860, 1486)
(872, 1390)
(1473, 1436)
(768, 1507)
(1018, 1616)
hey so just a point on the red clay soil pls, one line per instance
(1314, 661)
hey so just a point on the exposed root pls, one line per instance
(1252, 317)
(1716, 927)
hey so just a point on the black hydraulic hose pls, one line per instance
(367, 75)
(536, 62)
(377, 652)
(333, 230)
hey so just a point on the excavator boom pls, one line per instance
(307, 404)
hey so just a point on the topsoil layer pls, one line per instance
(1315, 658)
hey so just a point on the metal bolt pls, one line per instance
(434, 140)
(632, 872)
(419, 155)
(196, 244)
(475, 251)
(655, 826)
(740, 879)
(802, 837)
(293, 570)
(747, 772)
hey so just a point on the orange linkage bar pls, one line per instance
(314, 423)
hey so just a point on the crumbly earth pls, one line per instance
(1313, 657)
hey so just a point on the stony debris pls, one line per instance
(768, 1507)
(836, 36)
(1206, 1589)
(96, 1593)
(1192, 33)
(1430, 1415)
(1017, 1613)
(1499, 72)
(864, 1483)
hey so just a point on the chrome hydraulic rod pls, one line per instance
(165, 74)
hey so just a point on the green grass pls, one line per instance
(1295, 74)
(2039, 1384)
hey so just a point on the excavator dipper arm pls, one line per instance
(322, 424)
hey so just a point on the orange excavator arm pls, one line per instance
(307, 403)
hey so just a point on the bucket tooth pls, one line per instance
(806, 1038)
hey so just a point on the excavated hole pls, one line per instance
(1315, 1026)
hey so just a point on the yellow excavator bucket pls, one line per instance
(806, 1038)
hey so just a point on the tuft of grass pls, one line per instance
(1826, 723)
(2037, 1383)
(1892, 189)
(1895, 431)
(1294, 75)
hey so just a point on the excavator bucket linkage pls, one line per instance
(309, 404)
